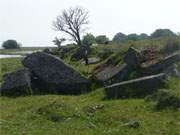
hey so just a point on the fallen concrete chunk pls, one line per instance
(93, 60)
(172, 71)
(132, 57)
(64, 50)
(52, 75)
(161, 65)
(112, 75)
(135, 88)
(80, 53)
(17, 83)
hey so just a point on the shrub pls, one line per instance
(11, 44)
(164, 99)
(55, 51)
(133, 37)
(102, 39)
(88, 39)
(119, 38)
(172, 45)
(105, 53)
(163, 33)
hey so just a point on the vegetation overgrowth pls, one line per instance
(92, 113)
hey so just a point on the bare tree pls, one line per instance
(58, 41)
(71, 22)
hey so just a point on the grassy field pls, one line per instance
(87, 114)
(22, 49)
(9, 65)
(80, 115)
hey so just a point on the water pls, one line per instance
(9, 56)
(17, 54)
(26, 52)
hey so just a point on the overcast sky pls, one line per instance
(30, 21)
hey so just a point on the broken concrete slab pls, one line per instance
(52, 75)
(80, 53)
(172, 71)
(65, 50)
(17, 83)
(92, 60)
(113, 74)
(135, 88)
(161, 65)
(132, 57)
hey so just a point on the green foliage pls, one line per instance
(10, 44)
(133, 37)
(172, 45)
(83, 115)
(9, 65)
(88, 39)
(119, 38)
(102, 39)
(164, 99)
(167, 98)
(105, 53)
(87, 114)
(162, 33)
(143, 36)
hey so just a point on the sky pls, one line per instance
(30, 21)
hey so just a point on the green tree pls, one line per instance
(88, 39)
(119, 38)
(163, 33)
(133, 37)
(143, 36)
(102, 39)
(10, 44)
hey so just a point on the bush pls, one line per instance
(88, 39)
(102, 39)
(11, 44)
(105, 53)
(133, 37)
(164, 99)
(172, 45)
(163, 33)
(119, 38)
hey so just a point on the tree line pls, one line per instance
(74, 21)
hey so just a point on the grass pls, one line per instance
(87, 114)
(78, 115)
(15, 51)
(9, 65)
(85, 70)
(174, 85)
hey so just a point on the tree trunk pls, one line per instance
(79, 39)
